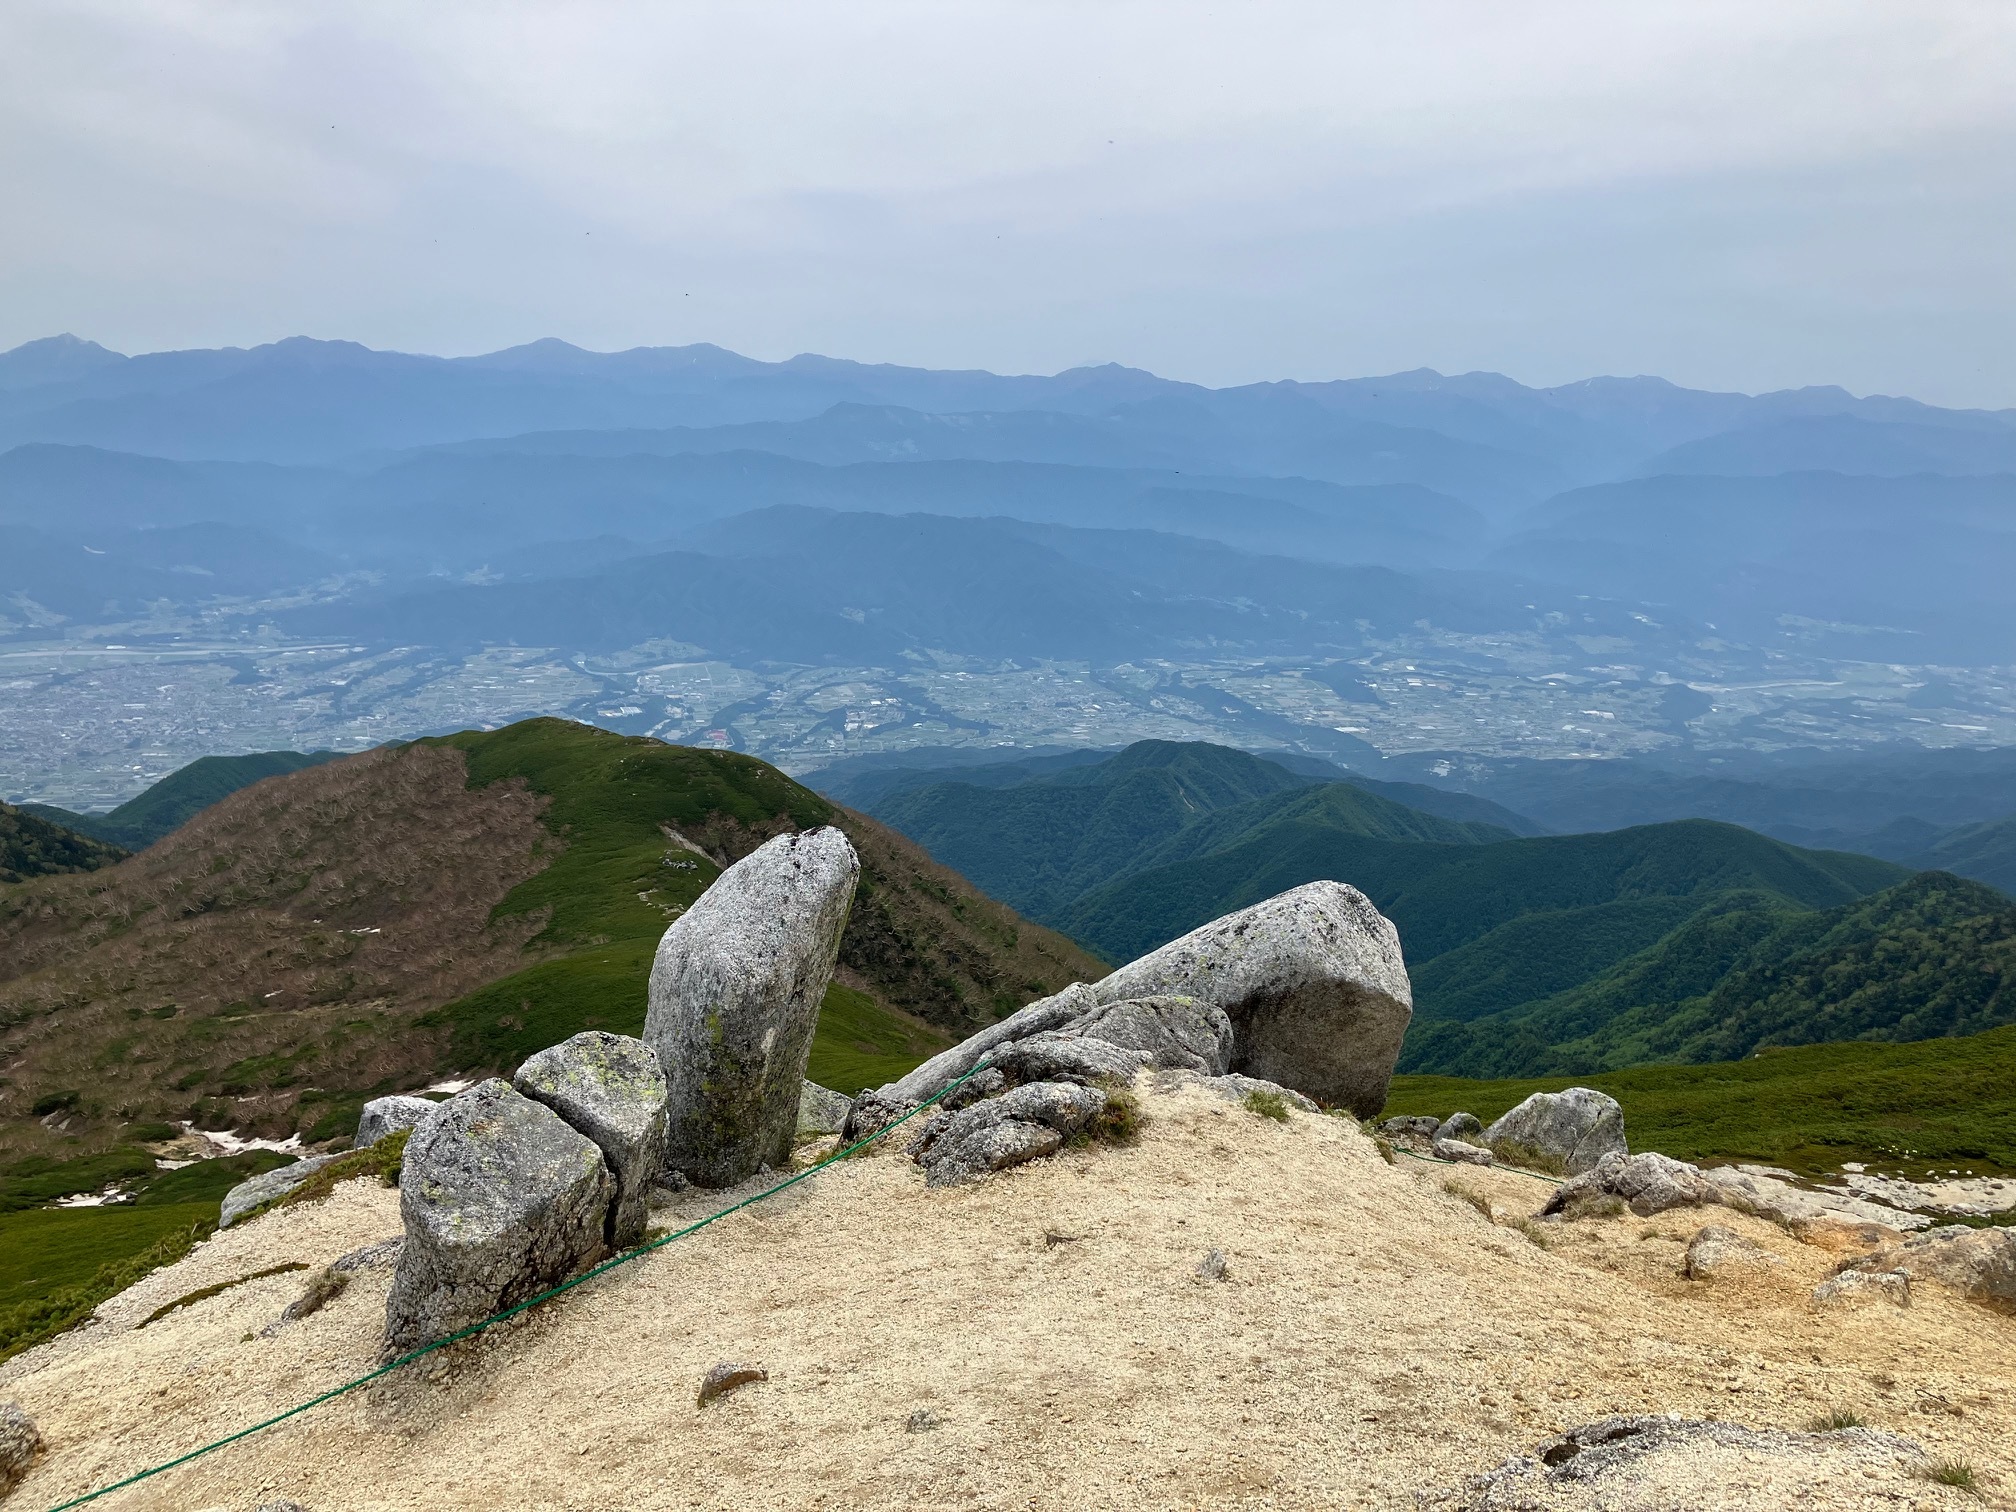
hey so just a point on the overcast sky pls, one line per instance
(1737, 195)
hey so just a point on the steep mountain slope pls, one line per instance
(1931, 957)
(1445, 896)
(33, 845)
(181, 796)
(378, 921)
(1047, 840)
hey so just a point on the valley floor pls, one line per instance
(1376, 1336)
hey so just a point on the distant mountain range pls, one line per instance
(179, 797)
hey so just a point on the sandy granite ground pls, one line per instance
(1375, 1337)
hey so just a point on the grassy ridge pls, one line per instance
(1930, 1105)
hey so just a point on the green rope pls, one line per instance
(510, 1312)
(1514, 1170)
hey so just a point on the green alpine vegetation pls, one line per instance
(1921, 1108)
(1043, 843)
(1688, 941)
(32, 845)
(179, 797)
(1932, 956)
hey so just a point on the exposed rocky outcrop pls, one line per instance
(1857, 1288)
(1312, 982)
(1020, 1125)
(735, 994)
(500, 1200)
(609, 1087)
(1979, 1264)
(1236, 1088)
(1656, 1462)
(1716, 1250)
(1647, 1184)
(879, 1108)
(821, 1110)
(1562, 1131)
(267, 1186)
(1765, 1193)
(388, 1115)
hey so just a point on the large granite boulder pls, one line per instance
(1647, 1184)
(267, 1186)
(735, 994)
(1119, 1039)
(501, 1200)
(1312, 982)
(609, 1087)
(1019, 1125)
(388, 1115)
(1979, 1264)
(1564, 1131)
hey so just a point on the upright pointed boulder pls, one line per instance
(735, 995)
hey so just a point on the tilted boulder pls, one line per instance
(609, 1087)
(735, 994)
(876, 1110)
(388, 1115)
(1119, 1039)
(1979, 1264)
(267, 1186)
(1569, 1131)
(1649, 1183)
(1312, 982)
(1020, 1125)
(501, 1200)
(821, 1110)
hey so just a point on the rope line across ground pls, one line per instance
(511, 1312)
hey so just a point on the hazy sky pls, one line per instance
(1741, 195)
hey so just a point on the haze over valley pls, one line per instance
(313, 545)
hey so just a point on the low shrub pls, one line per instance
(1268, 1105)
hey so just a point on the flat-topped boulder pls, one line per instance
(735, 995)
(501, 1200)
(609, 1087)
(1312, 982)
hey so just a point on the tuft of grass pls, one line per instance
(1534, 1233)
(1596, 1205)
(1385, 1148)
(1954, 1471)
(1511, 1152)
(1471, 1195)
(204, 1293)
(1835, 1421)
(1119, 1122)
(1268, 1105)
(324, 1287)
